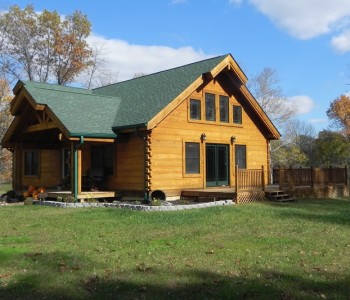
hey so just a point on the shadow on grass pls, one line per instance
(333, 211)
(62, 276)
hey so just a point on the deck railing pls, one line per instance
(250, 179)
(289, 177)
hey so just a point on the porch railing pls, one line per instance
(250, 179)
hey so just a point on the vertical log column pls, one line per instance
(148, 166)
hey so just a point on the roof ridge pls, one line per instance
(159, 72)
(73, 90)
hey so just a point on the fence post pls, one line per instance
(346, 174)
(280, 177)
(263, 178)
(312, 176)
(291, 173)
(236, 183)
(330, 175)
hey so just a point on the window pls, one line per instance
(237, 114)
(66, 161)
(31, 163)
(210, 114)
(102, 160)
(241, 156)
(224, 109)
(195, 109)
(192, 158)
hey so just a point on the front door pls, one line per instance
(217, 167)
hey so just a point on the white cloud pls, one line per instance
(128, 59)
(303, 104)
(306, 19)
(318, 121)
(235, 2)
(341, 42)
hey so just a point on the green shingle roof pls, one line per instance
(125, 104)
(144, 97)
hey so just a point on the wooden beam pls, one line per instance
(40, 107)
(42, 126)
(97, 140)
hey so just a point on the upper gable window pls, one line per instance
(195, 109)
(210, 107)
(237, 114)
(224, 109)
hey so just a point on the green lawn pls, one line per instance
(257, 251)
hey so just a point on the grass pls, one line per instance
(258, 251)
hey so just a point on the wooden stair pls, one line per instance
(278, 196)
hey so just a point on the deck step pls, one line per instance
(279, 196)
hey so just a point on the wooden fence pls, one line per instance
(289, 177)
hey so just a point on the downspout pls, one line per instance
(145, 167)
(75, 187)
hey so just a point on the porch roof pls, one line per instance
(79, 110)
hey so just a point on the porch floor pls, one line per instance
(217, 193)
(82, 195)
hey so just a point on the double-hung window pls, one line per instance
(192, 165)
(241, 156)
(31, 163)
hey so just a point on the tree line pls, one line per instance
(46, 47)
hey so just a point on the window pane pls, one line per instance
(195, 109)
(31, 163)
(192, 158)
(102, 160)
(237, 114)
(223, 109)
(241, 156)
(210, 107)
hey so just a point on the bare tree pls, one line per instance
(139, 74)
(97, 74)
(265, 87)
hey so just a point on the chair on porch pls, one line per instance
(94, 180)
(97, 179)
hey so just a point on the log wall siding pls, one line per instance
(50, 172)
(169, 136)
(128, 166)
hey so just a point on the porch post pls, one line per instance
(75, 180)
(77, 168)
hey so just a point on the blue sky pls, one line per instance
(306, 41)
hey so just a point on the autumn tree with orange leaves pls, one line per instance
(339, 113)
(44, 46)
(5, 120)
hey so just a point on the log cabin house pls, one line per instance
(183, 128)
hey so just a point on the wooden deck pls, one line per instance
(212, 193)
(82, 195)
